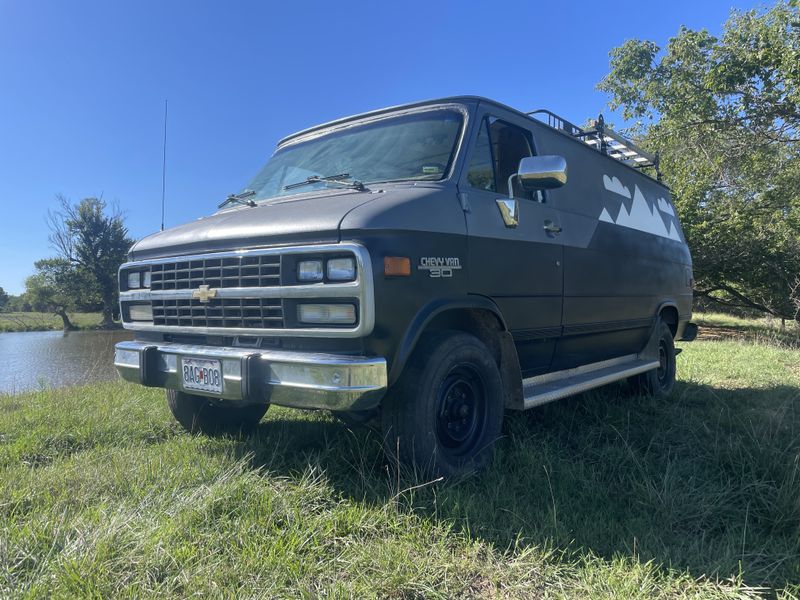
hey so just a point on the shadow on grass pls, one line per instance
(704, 482)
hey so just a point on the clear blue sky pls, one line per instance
(82, 87)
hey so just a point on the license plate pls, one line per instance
(202, 374)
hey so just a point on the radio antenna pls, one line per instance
(164, 167)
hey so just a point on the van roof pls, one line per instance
(600, 137)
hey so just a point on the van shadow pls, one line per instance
(705, 481)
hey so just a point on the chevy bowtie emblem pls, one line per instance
(204, 294)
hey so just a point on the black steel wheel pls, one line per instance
(199, 414)
(660, 382)
(445, 413)
(461, 409)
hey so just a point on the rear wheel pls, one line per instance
(446, 411)
(199, 414)
(659, 382)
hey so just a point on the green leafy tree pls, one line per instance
(4, 297)
(94, 242)
(724, 114)
(59, 287)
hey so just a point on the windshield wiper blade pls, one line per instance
(340, 179)
(241, 198)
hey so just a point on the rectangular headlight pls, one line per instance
(140, 312)
(341, 269)
(134, 280)
(309, 270)
(336, 314)
(146, 279)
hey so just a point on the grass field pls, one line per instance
(605, 495)
(38, 321)
(718, 326)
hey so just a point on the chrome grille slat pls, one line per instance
(256, 313)
(238, 271)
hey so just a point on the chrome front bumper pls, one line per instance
(296, 379)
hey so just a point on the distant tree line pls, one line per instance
(724, 114)
(90, 242)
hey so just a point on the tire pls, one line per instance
(198, 414)
(445, 413)
(358, 419)
(659, 382)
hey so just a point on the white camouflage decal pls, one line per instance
(641, 216)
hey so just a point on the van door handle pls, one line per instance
(551, 227)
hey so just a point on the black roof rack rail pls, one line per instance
(602, 138)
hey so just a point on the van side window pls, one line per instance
(510, 144)
(499, 148)
(481, 167)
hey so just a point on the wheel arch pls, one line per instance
(668, 313)
(476, 315)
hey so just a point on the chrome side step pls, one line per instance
(560, 384)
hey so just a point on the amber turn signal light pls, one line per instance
(396, 266)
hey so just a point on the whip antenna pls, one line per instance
(164, 167)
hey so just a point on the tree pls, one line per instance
(3, 298)
(58, 287)
(724, 114)
(93, 242)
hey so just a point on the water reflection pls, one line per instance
(35, 359)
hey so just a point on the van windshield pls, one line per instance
(419, 146)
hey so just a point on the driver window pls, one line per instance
(510, 145)
(499, 148)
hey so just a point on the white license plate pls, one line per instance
(202, 374)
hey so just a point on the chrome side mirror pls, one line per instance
(542, 172)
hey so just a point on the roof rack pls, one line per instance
(602, 138)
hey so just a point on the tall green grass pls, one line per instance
(605, 495)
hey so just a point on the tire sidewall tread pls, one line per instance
(198, 414)
(408, 412)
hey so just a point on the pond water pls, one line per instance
(36, 359)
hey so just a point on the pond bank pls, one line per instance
(42, 321)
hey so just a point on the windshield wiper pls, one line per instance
(339, 179)
(241, 198)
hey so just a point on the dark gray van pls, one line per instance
(424, 267)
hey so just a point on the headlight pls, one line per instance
(134, 280)
(341, 269)
(146, 279)
(309, 270)
(140, 312)
(337, 314)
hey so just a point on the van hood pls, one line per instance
(302, 218)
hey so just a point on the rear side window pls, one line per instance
(498, 150)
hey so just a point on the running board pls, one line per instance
(560, 384)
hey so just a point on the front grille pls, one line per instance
(237, 271)
(250, 313)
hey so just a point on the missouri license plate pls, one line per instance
(202, 374)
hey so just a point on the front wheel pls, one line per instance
(199, 414)
(446, 411)
(659, 382)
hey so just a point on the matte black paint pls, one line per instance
(590, 293)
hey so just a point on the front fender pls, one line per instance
(426, 315)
